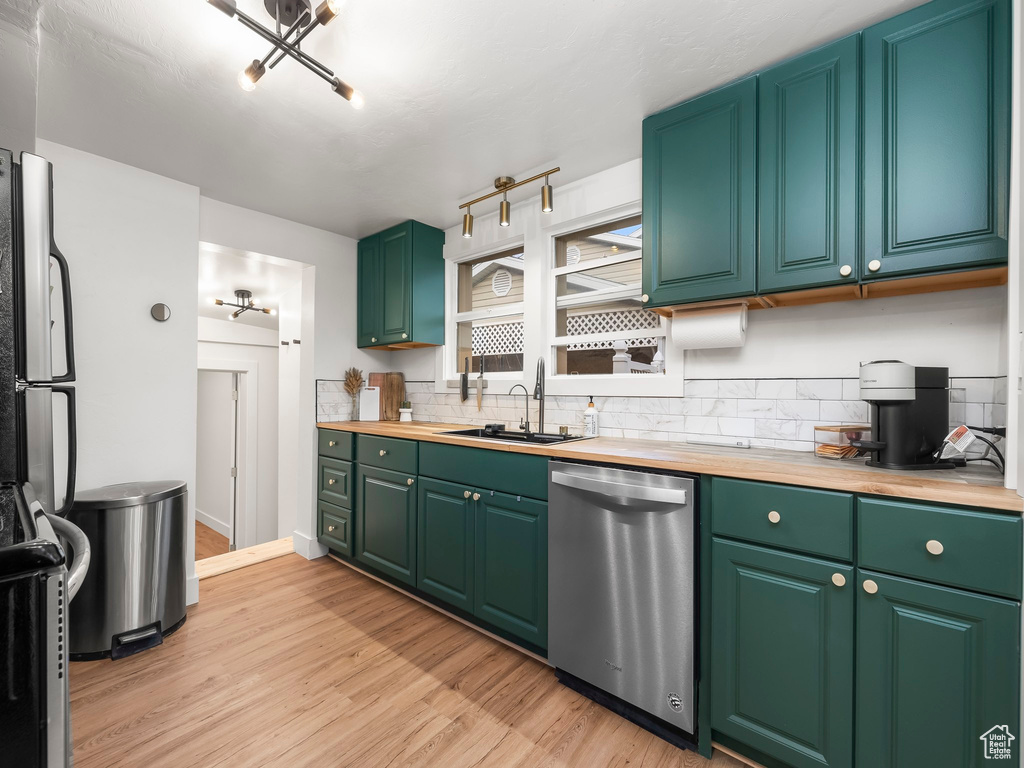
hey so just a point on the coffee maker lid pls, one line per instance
(887, 380)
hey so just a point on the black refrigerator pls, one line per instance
(43, 558)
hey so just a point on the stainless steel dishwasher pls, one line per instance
(622, 591)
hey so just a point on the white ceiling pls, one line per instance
(456, 92)
(222, 271)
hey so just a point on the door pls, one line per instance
(216, 446)
(444, 539)
(369, 297)
(699, 216)
(396, 287)
(808, 185)
(782, 661)
(386, 523)
(512, 565)
(936, 138)
(937, 669)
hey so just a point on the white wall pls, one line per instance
(215, 450)
(131, 240)
(223, 340)
(964, 330)
(328, 329)
(19, 59)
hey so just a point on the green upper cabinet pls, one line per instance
(808, 183)
(401, 287)
(699, 218)
(386, 522)
(782, 654)
(936, 669)
(936, 138)
(369, 296)
(512, 565)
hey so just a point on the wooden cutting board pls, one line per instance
(393, 394)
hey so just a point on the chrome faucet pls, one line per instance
(524, 424)
(538, 392)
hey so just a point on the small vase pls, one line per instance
(355, 408)
(405, 414)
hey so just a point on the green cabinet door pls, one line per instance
(396, 284)
(444, 535)
(699, 217)
(809, 174)
(937, 668)
(512, 565)
(936, 138)
(386, 522)
(368, 320)
(782, 654)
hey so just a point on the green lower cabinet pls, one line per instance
(937, 670)
(512, 565)
(386, 522)
(445, 530)
(782, 654)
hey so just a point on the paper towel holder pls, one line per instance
(684, 315)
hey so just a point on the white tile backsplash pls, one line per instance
(770, 413)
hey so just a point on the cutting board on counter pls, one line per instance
(392, 389)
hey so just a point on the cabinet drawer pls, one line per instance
(519, 474)
(801, 519)
(387, 453)
(335, 527)
(980, 551)
(335, 444)
(334, 483)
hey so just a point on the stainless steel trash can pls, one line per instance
(134, 593)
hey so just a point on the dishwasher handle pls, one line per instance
(621, 490)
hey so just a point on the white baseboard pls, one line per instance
(309, 548)
(224, 529)
(191, 590)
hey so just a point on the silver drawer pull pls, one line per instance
(410, 481)
(330, 529)
(330, 481)
(934, 547)
(383, 452)
(774, 517)
(331, 443)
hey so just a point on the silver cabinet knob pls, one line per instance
(330, 529)
(467, 494)
(645, 298)
(374, 339)
(874, 265)
(476, 497)
(330, 481)
(409, 481)
(331, 443)
(845, 271)
(870, 587)
(838, 579)
(934, 547)
(383, 452)
(405, 335)
(774, 517)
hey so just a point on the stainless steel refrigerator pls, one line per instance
(43, 558)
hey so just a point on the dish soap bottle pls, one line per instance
(590, 419)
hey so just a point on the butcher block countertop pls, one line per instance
(976, 486)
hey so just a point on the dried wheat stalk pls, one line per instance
(353, 381)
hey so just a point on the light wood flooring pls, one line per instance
(209, 543)
(296, 663)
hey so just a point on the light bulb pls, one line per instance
(245, 82)
(231, 316)
(357, 100)
(254, 300)
(273, 312)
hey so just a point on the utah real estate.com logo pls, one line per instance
(996, 741)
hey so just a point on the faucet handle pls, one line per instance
(522, 424)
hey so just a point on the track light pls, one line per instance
(547, 197)
(346, 91)
(467, 224)
(505, 211)
(249, 76)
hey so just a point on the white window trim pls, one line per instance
(539, 340)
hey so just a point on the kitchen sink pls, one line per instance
(505, 436)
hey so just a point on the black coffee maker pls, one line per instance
(909, 415)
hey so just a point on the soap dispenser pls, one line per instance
(590, 419)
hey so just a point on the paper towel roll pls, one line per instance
(711, 328)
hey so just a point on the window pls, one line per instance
(600, 325)
(489, 313)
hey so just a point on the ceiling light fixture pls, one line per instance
(297, 14)
(502, 185)
(245, 303)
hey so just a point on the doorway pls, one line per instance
(216, 462)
